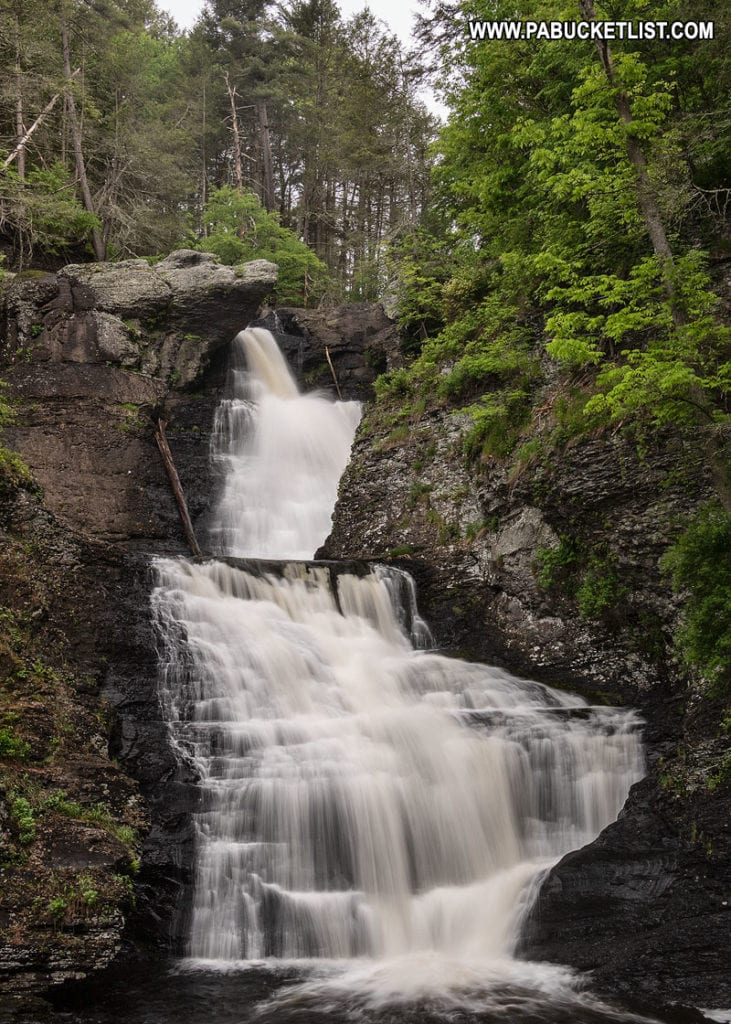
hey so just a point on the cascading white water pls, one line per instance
(359, 797)
(282, 453)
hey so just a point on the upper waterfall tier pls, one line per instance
(282, 454)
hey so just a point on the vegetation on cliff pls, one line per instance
(569, 279)
(69, 840)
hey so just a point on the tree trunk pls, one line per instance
(20, 134)
(88, 201)
(265, 144)
(15, 154)
(177, 487)
(646, 197)
(238, 173)
(715, 445)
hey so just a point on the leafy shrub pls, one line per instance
(588, 575)
(24, 817)
(700, 564)
(11, 746)
(240, 229)
(497, 421)
(554, 564)
(599, 589)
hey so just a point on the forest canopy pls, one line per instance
(118, 133)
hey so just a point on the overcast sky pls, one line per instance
(395, 13)
(398, 16)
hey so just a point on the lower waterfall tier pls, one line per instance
(360, 797)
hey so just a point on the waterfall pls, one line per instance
(362, 797)
(282, 454)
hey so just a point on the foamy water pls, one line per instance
(367, 805)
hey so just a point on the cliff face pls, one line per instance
(551, 570)
(94, 808)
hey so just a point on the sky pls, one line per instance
(397, 15)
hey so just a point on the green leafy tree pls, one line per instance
(568, 179)
(238, 228)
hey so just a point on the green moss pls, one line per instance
(400, 551)
(30, 275)
(97, 814)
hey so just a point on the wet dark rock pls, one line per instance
(645, 908)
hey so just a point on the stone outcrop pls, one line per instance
(92, 355)
(551, 569)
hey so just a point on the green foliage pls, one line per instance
(555, 563)
(87, 890)
(699, 563)
(542, 244)
(586, 574)
(401, 551)
(419, 263)
(13, 471)
(97, 814)
(600, 588)
(497, 421)
(238, 228)
(12, 747)
(57, 907)
(722, 776)
(43, 212)
(24, 818)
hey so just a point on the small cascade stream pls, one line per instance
(371, 810)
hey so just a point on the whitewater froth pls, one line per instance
(364, 800)
(282, 454)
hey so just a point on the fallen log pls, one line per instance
(167, 458)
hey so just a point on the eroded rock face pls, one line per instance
(93, 355)
(552, 570)
(645, 908)
(98, 350)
